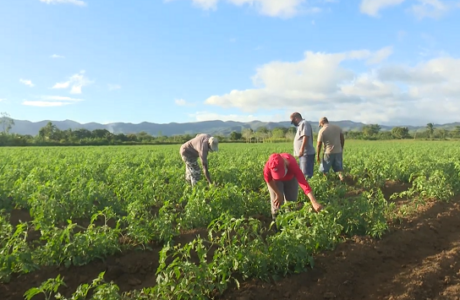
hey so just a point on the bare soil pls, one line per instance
(130, 270)
(418, 259)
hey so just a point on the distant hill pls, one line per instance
(212, 127)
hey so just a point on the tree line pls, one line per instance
(367, 132)
(50, 135)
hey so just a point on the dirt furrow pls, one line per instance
(419, 259)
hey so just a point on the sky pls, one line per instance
(391, 62)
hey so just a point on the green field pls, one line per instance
(88, 204)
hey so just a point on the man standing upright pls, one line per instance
(331, 136)
(303, 144)
(191, 150)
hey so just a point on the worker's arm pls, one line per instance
(342, 140)
(318, 150)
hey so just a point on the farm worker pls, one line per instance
(283, 177)
(303, 144)
(331, 136)
(199, 146)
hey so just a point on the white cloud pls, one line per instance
(380, 55)
(60, 98)
(205, 4)
(2, 100)
(422, 9)
(182, 102)
(44, 103)
(113, 87)
(26, 82)
(314, 78)
(320, 85)
(430, 9)
(75, 2)
(372, 7)
(273, 8)
(62, 85)
(57, 56)
(76, 83)
(51, 101)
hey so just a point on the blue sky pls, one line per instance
(373, 61)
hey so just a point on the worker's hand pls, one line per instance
(317, 207)
(301, 152)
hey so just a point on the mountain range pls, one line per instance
(212, 127)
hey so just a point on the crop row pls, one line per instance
(90, 203)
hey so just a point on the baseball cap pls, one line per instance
(214, 144)
(276, 166)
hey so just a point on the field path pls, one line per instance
(418, 259)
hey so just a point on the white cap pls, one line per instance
(214, 144)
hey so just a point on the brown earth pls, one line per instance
(418, 259)
(129, 270)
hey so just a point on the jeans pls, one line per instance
(307, 164)
(333, 160)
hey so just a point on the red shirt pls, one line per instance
(293, 170)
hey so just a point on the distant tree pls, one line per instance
(385, 135)
(144, 137)
(220, 138)
(188, 137)
(81, 133)
(101, 133)
(262, 133)
(400, 132)
(291, 129)
(421, 134)
(132, 137)
(247, 133)
(121, 137)
(441, 133)
(66, 136)
(430, 129)
(290, 133)
(6, 122)
(455, 133)
(353, 134)
(262, 129)
(235, 136)
(371, 130)
(279, 132)
(50, 132)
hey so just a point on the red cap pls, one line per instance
(276, 166)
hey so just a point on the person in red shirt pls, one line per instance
(283, 177)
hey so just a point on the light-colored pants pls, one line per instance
(288, 188)
(192, 170)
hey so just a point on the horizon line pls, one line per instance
(228, 121)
